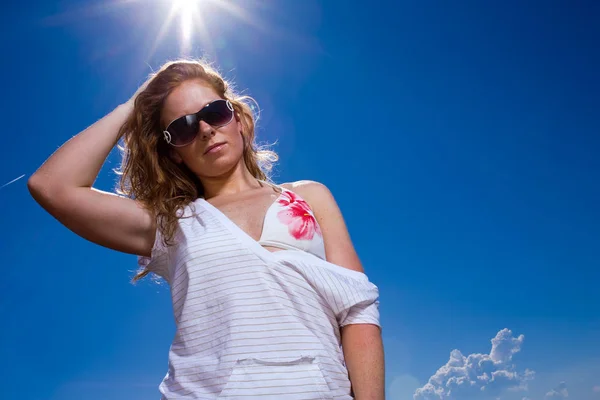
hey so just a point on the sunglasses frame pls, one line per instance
(167, 135)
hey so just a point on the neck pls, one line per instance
(238, 180)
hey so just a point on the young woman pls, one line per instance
(269, 296)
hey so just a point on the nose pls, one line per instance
(206, 131)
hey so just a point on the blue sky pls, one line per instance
(460, 139)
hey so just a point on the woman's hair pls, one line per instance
(148, 174)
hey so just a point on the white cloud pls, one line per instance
(596, 389)
(480, 376)
(559, 392)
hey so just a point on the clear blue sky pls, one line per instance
(460, 139)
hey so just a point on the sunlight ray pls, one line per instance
(164, 28)
(189, 17)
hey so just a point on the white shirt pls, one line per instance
(253, 323)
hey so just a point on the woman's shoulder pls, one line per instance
(305, 186)
(311, 191)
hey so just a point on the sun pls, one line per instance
(189, 17)
(190, 14)
(187, 10)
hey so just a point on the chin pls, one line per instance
(218, 167)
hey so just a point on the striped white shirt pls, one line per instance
(253, 323)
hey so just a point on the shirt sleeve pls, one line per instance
(158, 262)
(361, 306)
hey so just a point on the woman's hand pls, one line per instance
(130, 103)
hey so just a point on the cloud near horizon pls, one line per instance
(480, 376)
(559, 392)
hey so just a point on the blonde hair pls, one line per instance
(147, 172)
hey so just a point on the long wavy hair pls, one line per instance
(148, 174)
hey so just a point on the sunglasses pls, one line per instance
(183, 130)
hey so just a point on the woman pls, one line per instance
(269, 296)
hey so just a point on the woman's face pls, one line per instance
(216, 150)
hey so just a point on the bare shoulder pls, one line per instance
(309, 190)
(338, 245)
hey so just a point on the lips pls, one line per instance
(213, 146)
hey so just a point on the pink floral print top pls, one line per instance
(290, 224)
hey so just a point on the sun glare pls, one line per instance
(193, 20)
(188, 13)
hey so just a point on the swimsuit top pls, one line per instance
(290, 224)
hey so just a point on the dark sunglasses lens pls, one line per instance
(216, 113)
(184, 130)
